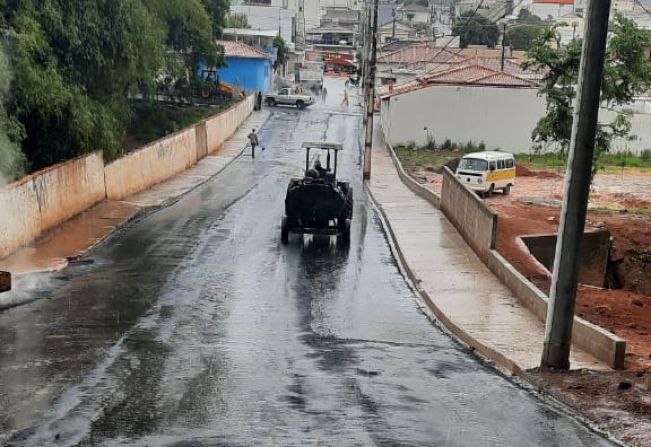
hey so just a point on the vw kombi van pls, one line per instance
(486, 172)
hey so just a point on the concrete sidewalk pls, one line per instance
(81, 233)
(464, 295)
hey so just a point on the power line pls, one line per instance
(644, 8)
(445, 47)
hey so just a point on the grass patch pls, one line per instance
(154, 120)
(433, 154)
(609, 163)
(413, 158)
(646, 212)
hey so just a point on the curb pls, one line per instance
(502, 362)
(140, 213)
(505, 366)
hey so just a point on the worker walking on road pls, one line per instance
(345, 101)
(253, 138)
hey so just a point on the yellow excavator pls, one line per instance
(216, 87)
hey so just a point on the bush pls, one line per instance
(646, 155)
(447, 145)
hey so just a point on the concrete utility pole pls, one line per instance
(503, 44)
(370, 98)
(562, 299)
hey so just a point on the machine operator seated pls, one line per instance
(318, 171)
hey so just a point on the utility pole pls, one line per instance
(393, 26)
(370, 98)
(562, 299)
(503, 44)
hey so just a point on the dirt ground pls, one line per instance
(616, 401)
(534, 206)
(619, 402)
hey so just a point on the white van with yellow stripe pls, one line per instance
(486, 172)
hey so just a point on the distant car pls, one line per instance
(289, 97)
(318, 203)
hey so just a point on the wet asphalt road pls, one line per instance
(195, 327)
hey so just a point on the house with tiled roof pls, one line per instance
(395, 30)
(466, 102)
(413, 13)
(246, 67)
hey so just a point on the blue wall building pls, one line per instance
(246, 67)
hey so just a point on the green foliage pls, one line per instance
(76, 63)
(418, 2)
(521, 37)
(236, 20)
(279, 43)
(12, 159)
(526, 18)
(474, 29)
(153, 121)
(217, 10)
(608, 161)
(447, 146)
(627, 71)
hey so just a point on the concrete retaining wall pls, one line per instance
(470, 216)
(168, 156)
(418, 189)
(47, 198)
(222, 126)
(478, 226)
(595, 251)
(151, 164)
(602, 344)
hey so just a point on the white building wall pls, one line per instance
(269, 18)
(543, 10)
(500, 117)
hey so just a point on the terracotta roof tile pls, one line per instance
(413, 53)
(240, 49)
(463, 74)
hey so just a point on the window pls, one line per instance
(473, 164)
(500, 164)
(492, 166)
(509, 163)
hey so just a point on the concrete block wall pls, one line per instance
(478, 226)
(151, 164)
(222, 126)
(468, 213)
(41, 201)
(45, 199)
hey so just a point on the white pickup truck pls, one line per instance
(290, 97)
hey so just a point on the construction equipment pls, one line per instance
(318, 203)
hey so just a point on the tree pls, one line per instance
(12, 160)
(525, 17)
(77, 64)
(418, 2)
(217, 10)
(475, 29)
(73, 73)
(627, 72)
(521, 37)
(279, 44)
(236, 20)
